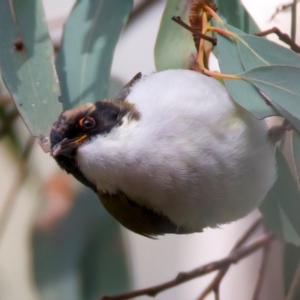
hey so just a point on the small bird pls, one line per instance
(173, 153)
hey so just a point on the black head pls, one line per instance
(76, 126)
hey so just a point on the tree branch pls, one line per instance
(282, 36)
(282, 8)
(262, 270)
(232, 258)
(214, 286)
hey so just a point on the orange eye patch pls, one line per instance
(87, 123)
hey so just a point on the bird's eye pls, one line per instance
(87, 123)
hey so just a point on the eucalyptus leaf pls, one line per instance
(26, 63)
(291, 259)
(235, 14)
(244, 93)
(281, 206)
(285, 114)
(296, 153)
(84, 60)
(257, 51)
(278, 83)
(174, 47)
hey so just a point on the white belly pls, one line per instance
(194, 155)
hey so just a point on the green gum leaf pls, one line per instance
(174, 47)
(281, 206)
(278, 83)
(84, 60)
(26, 63)
(244, 93)
(256, 52)
(296, 153)
(235, 14)
(85, 254)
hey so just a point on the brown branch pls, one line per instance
(282, 36)
(295, 286)
(17, 183)
(232, 258)
(179, 21)
(214, 286)
(282, 8)
(262, 270)
(139, 10)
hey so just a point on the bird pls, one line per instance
(173, 153)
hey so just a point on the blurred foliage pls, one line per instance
(82, 255)
(291, 259)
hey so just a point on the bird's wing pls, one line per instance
(136, 218)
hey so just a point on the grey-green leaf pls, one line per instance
(257, 51)
(84, 60)
(291, 259)
(26, 63)
(281, 207)
(236, 15)
(296, 153)
(279, 83)
(243, 93)
(174, 48)
(285, 114)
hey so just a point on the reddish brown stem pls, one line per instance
(214, 286)
(233, 258)
(179, 21)
(282, 8)
(261, 274)
(282, 36)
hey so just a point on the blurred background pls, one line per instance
(56, 240)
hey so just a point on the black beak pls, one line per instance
(66, 146)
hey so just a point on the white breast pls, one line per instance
(194, 155)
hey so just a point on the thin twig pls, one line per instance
(281, 9)
(262, 270)
(214, 286)
(233, 258)
(295, 285)
(12, 195)
(282, 36)
(139, 10)
(179, 21)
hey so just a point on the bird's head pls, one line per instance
(79, 125)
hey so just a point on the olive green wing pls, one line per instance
(136, 218)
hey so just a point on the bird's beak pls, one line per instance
(66, 146)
